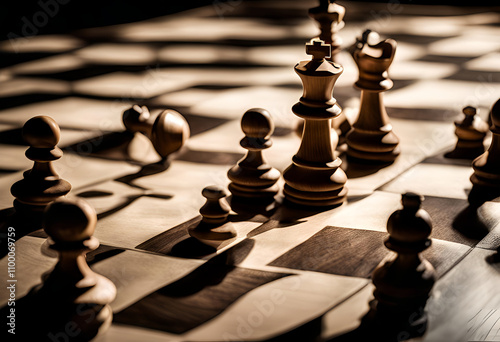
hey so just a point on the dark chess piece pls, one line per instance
(168, 131)
(41, 184)
(252, 178)
(73, 301)
(486, 176)
(470, 132)
(315, 178)
(214, 230)
(403, 285)
(371, 139)
(329, 17)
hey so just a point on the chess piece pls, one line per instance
(168, 131)
(486, 176)
(403, 285)
(470, 133)
(213, 230)
(371, 138)
(252, 177)
(72, 297)
(315, 178)
(41, 184)
(329, 17)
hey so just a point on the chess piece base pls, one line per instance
(465, 153)
(213, 235)
(373, 157)
(386, 325)
(315, 198)
(253, 192)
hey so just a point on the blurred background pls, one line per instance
(56, 16)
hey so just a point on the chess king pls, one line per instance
(315, 178)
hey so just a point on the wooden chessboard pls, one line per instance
(292, 272)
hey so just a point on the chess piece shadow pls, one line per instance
(285, 216)
(146, 170)
(291, 212)
(210, 273)
(191, 248)
(128, 201)
(113, 145)
(373, 329)
(358, 168)
(470, 223)
(310, 331)
(247, 209)
(494, 260)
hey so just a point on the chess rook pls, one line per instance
(168, 131)
(72, 293)
(41, 184)
(470, 132)
(486, 176)
(371, 138)
(315, 178)
(252, 177)
(214, 229)
(402, 286)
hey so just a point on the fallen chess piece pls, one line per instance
(167, 132)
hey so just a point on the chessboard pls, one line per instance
(291, 273)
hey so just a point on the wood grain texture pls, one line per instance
(194, 299)
(356, 253)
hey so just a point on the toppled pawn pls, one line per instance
(252, 177)
(470, 132)
(167, 132)
(403, 285)
(72, 295)
(213, 230)
(41, 184)
(486, 176)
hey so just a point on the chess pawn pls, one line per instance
(167, 132)
(72, 296)
(470, 133)
(252, 177)
(402, 286)
(371, 139)
(41, 184)
(486, 176)
(315, 178)
(213, 230)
